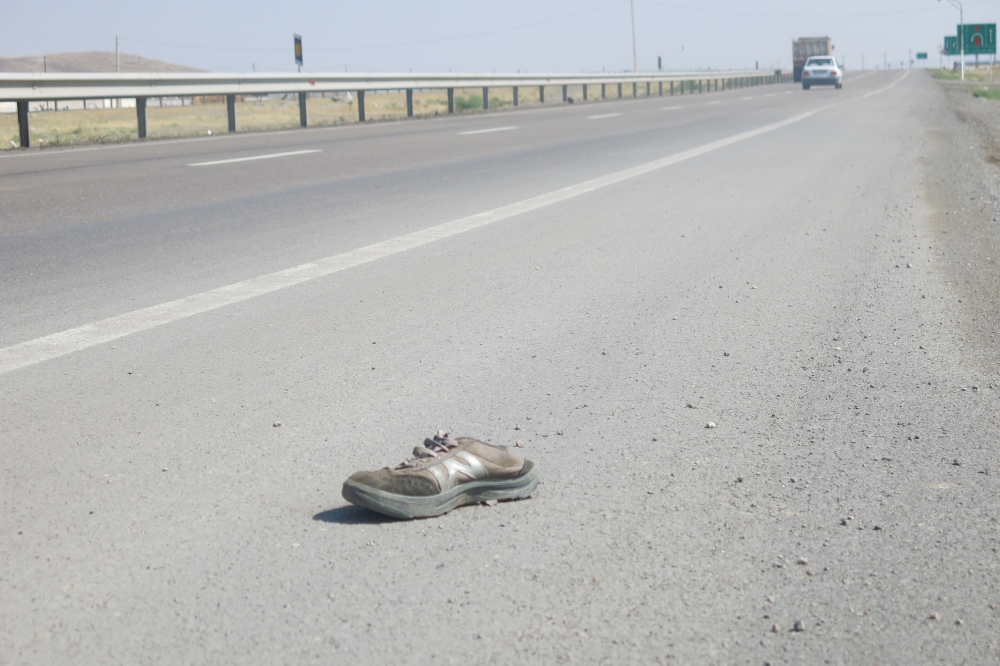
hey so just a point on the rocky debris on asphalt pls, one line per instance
(710, 424)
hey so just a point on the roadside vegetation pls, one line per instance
(987, 93)
(981, 75)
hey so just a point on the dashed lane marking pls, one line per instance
(255, 157)
(491, 129)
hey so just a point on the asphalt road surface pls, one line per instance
(598, 282)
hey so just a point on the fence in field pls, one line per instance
(23, 89)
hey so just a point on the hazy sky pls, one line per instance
(438, 35)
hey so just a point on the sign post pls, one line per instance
(298, 51)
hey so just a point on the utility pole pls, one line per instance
(961, 30)
(118, 65)
(635, 61)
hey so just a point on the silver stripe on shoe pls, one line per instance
(463, 462)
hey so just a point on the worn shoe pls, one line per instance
(443, 474)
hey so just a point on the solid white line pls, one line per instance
(603, 115)
(492, 129)
(257, 157)
(670, 108)
(712, 103)
(75, 339)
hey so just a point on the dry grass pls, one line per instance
(971, 74)
(78, 127)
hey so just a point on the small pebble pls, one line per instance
(909, 265)
(798, 626)
(933, 616)
(710, 424)
(956, 462)
(490, 502)
(518, 443)
(775, 627)
(276, 424)
(803, 560)
(958, 622)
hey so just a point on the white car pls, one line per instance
(822, 71)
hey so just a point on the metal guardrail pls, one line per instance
(25, 88)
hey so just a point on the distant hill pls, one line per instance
(91, 61)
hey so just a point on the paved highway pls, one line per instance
(203, 338)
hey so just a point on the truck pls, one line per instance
(804, 48)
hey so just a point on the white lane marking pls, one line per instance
(492, 129)
(770, 95)
(789, 92)
(750, 97)
(712, 103)
(90, 335)
(257, 157)
(603, 115)
(670, 108)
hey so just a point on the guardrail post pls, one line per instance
(451, 100)
(699, 87)
(22, 121)
(661, 88)
(635, 89)
(619, 91)
(717, 85)
(486, 98)
(140, 115)
(230, 111)
(671, 88)
(515, 95)
(303, 113)
(584, 92)
(541, 94)
(361, 106)
(409, 102)
(647, 88)
(604, 91)
(565, 93)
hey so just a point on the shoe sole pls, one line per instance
(474, 492)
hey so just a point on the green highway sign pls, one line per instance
(921, 56)
(979, 38)
(951, 46)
